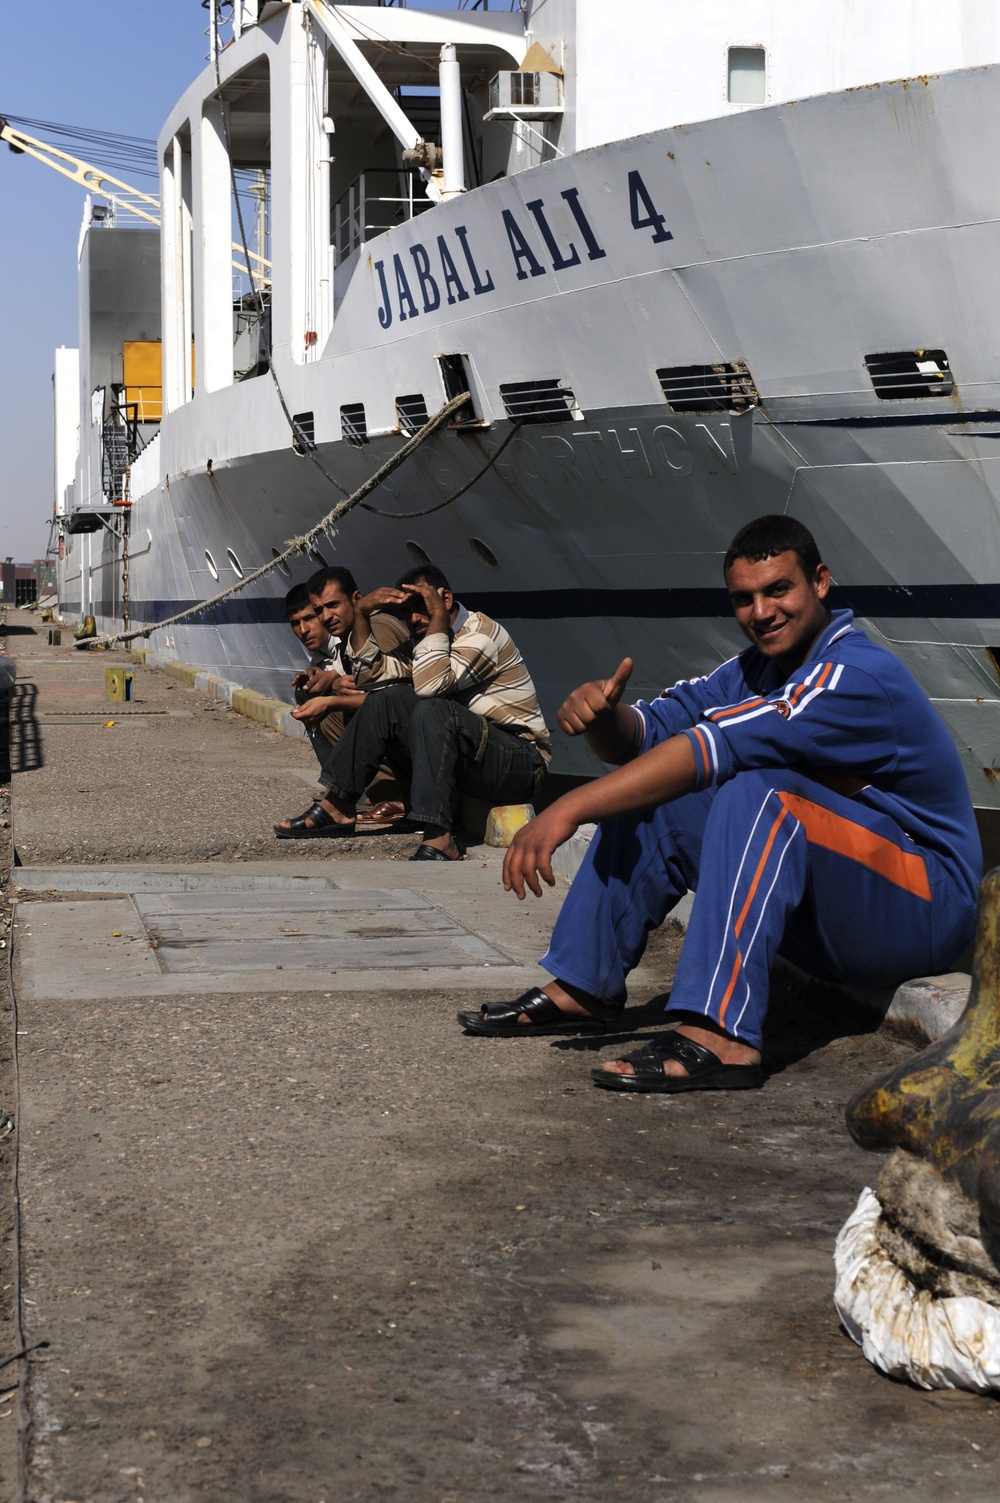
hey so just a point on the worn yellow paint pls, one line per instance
(943, 1105)
(504, 822)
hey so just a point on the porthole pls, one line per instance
(212, 566)
(317, 558)
(417, 553)
(237, 566)
(283, 565)
(484, 553)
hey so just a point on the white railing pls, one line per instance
(375, 202)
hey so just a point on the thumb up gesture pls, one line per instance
(592, 702)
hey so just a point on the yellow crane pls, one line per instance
(114, 189)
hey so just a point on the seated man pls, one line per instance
(316, 640)
(808, 793)
(469, 722)
(321, 614)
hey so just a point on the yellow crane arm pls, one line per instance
(95, 181)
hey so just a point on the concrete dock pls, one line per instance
(293, 1238)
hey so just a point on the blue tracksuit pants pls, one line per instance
(779, 864)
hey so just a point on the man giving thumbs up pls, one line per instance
(806, 791)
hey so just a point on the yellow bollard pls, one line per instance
(504, 821)
(119, 684)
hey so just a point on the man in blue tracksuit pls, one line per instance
(806, 790)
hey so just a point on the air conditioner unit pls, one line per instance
(525, 96)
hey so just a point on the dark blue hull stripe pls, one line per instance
(958, 602)
(894, 420)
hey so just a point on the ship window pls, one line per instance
(417, 553)
(747, 80)
(708, 388)
(354, 424)
(282, 566)
(237, 566)
(411, 412)
(213, 567)
(538, 401)
(303, 432)
(317, 558)
(484, 553)
(910, 373)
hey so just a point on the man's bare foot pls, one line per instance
(730, 1051)
(444, 841)
(341, 813)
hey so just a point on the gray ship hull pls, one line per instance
(796, 240)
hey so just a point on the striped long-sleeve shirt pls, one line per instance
(478, 664)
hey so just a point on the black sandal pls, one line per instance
(323, 827)
(498, 1020)
(706, 1072)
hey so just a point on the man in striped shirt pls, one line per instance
(457, 701)
(806, 790)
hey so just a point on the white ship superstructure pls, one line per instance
(713, 260)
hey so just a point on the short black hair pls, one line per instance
(297, 600)
(429, 573)
(332, 574)
(765, 537)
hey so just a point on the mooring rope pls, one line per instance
(300, 544)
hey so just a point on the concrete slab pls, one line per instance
(180, 931)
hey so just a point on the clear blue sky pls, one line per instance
(107, 66)
(115, 65)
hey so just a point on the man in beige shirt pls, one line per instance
(461, 708)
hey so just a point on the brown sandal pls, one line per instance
(389, 812)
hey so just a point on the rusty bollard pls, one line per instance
(918, 1260)
(943, 1105)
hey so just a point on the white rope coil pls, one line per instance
(908, 1332)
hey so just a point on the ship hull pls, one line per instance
(869, 229)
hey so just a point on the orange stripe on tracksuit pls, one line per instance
(835, 833)
(737, 927)
(787, 824)
(706, 762)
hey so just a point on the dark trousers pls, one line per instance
(388, 783)
(451, 750)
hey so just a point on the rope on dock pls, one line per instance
(307, 540)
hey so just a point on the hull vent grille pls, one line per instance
(708, 388)
(303, 432)
(354, 424)
(412, 413)
(910, 373)
(538, 401)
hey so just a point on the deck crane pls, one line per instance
(114, 189)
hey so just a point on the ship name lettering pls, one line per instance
(404, 297)
(429, 284)
(536, 208)
(643, 211)
(520, 249)
(590, 453)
